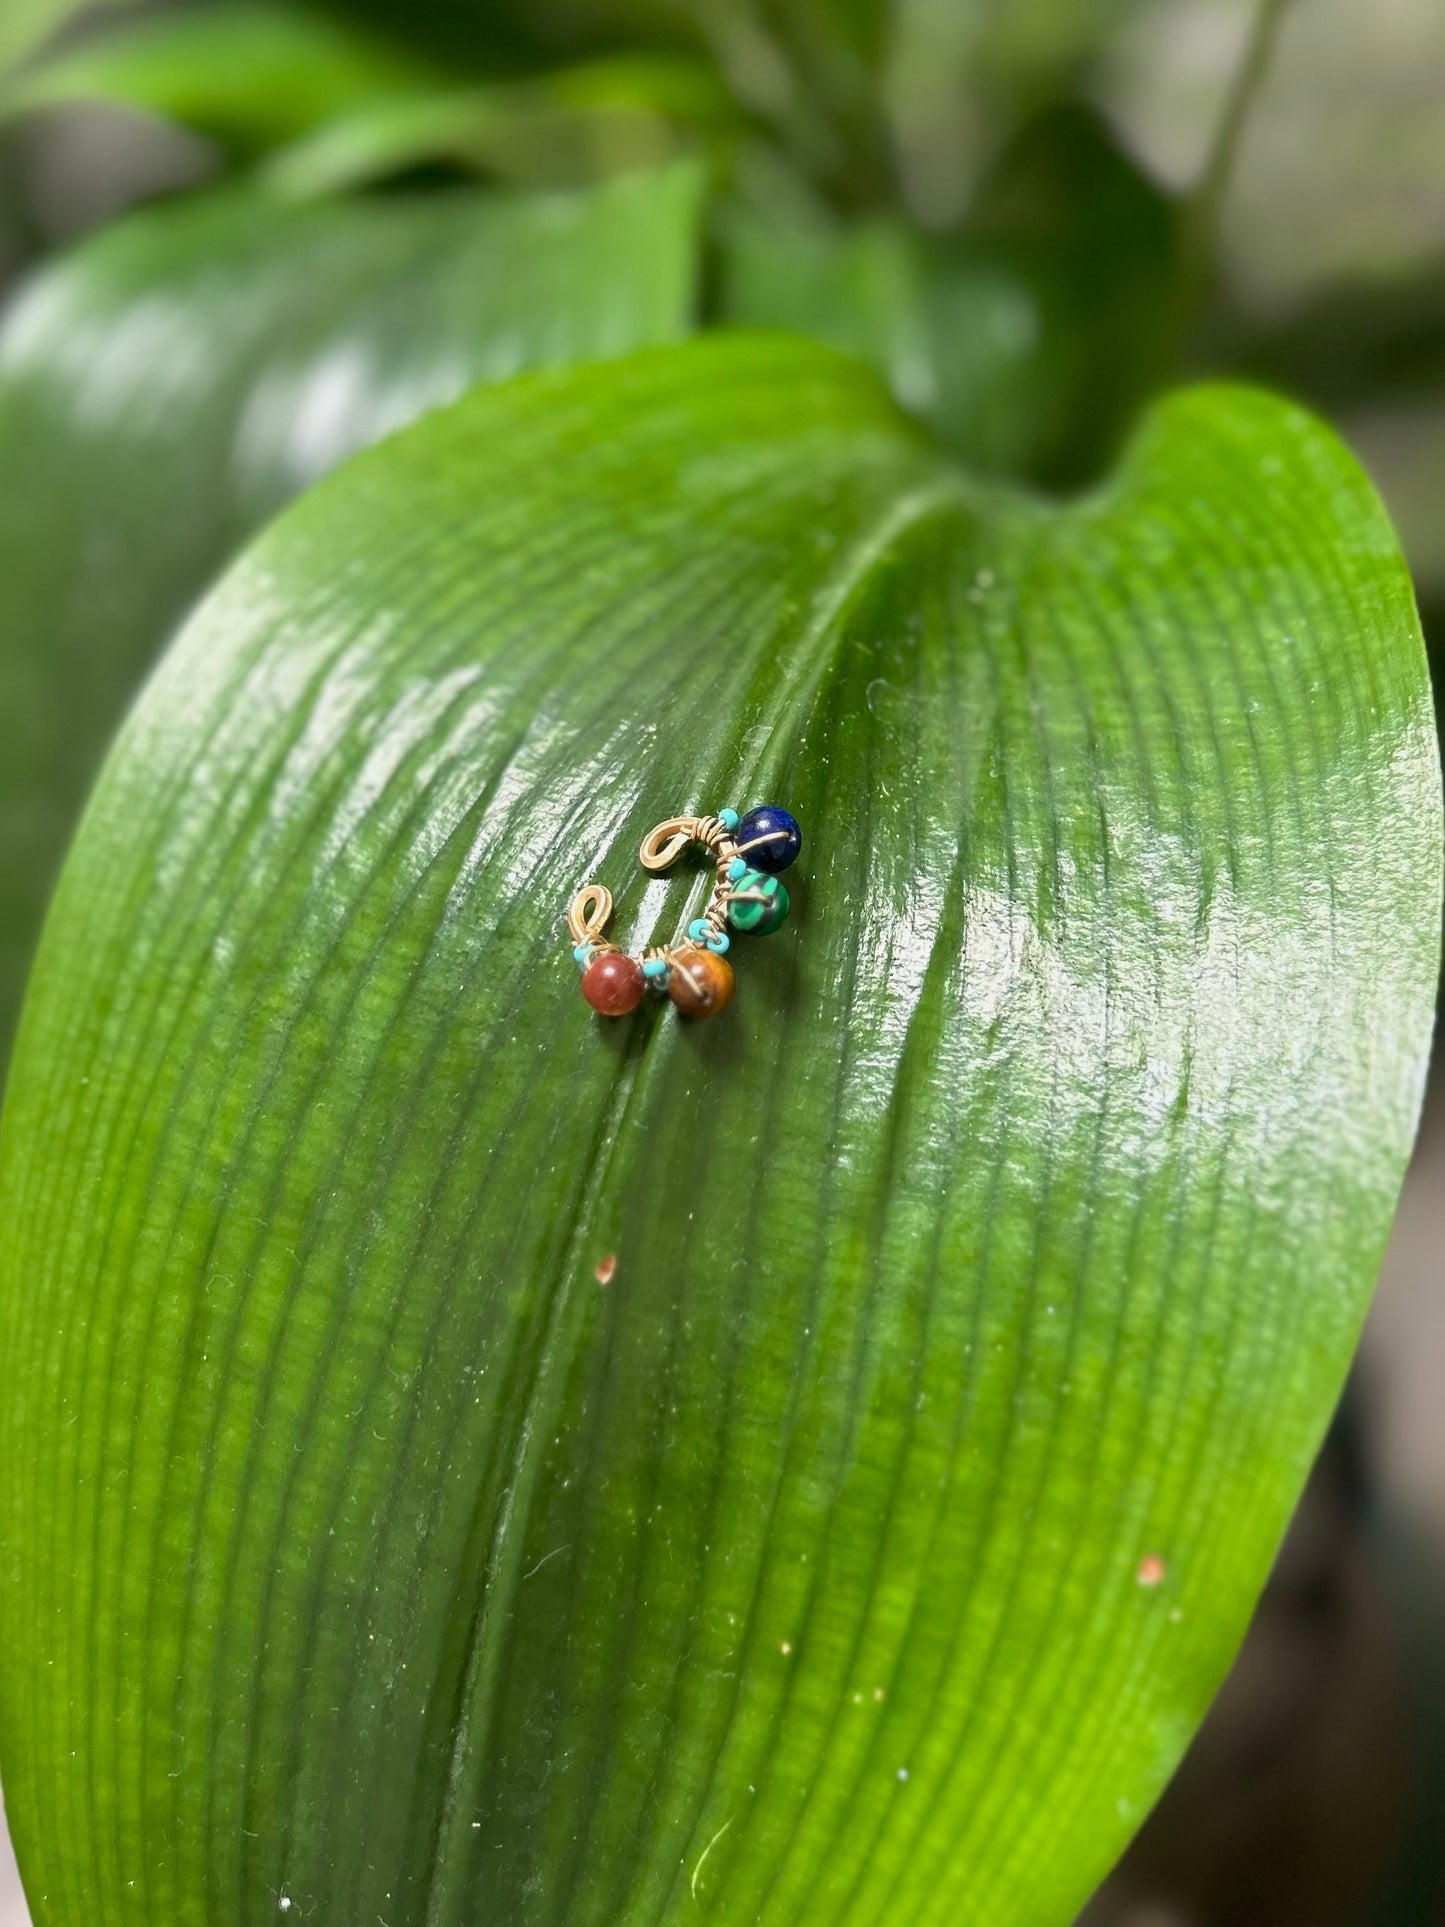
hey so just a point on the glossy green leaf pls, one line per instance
(1404, 443)
(463, 1461)
(166, 388)
(248, 72)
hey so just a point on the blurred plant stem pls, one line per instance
(1205, 209)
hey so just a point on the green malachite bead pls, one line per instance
(759, 905)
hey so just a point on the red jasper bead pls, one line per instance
(613, 983)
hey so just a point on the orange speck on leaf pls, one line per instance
(607, 1268)
(1151, 1570)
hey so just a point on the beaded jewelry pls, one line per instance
(747, 898)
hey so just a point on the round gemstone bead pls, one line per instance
(759, 905)
(769, 838)
(613, 983)
(701, 982)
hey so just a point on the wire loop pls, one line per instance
(590, 913)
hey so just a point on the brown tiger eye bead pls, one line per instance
(613, 984)
(700, 982)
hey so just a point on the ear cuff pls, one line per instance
(747, 899)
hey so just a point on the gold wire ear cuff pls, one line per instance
(747, 898)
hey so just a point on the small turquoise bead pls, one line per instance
(737, 868)
(583, 953)
(759, 905)
(655, 969)
(769, 838)
(728, 819)
(701, 931)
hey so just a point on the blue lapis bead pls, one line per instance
(769, 838)
(728, 819)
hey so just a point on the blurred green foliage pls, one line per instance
(1003, 205)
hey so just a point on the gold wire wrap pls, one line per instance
(589, 914)
(661, 848)
(757, 842)
(591, 908)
